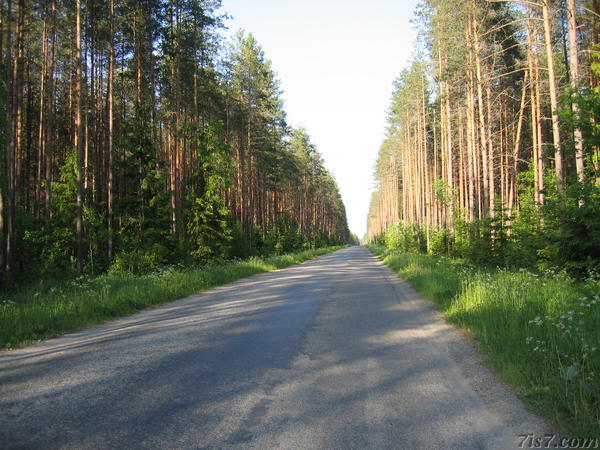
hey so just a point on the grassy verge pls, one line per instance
(37, 313)
(540, 331)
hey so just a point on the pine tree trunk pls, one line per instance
(41, 120)
(512, 198)
(482, 125)
(14, 137)
(49, 145)
(574, 72)
(450, 156)
(79, 140)
(491, 155)
(558, 163)
(110, 189)
(5, 184)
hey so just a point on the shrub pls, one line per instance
(136, 262)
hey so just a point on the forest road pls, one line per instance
(334, 353)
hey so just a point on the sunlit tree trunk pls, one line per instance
(515, 153)
(481, 116)
(574, 78)
(558, 163)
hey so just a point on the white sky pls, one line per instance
(336, 60)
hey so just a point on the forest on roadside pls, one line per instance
(134, 135)
(492, 151)
(488, 190)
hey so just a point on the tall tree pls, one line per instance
(78, 139)
(111, 150)
(574, 78)
(558, 158)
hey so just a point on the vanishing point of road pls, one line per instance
(334, 353)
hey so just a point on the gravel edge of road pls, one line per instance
(499, 397)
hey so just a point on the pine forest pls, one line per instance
(134, 135)
(492, 150)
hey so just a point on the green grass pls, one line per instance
(540, 331)
(44, 311)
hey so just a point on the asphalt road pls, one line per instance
(334, 353)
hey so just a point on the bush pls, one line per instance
(407, 237)
(563, 234)
(55, 260)
(572, 232)
(138, 262)
(440, 242)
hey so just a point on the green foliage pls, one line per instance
(481, 245)
(137, 262)
(285, 237)
(563, 234)
(55, 260)
(572, 231)
(144, 211)
(95, 238)
(208, 229)
(48, 251)
(208, 226)
(240, 245)
(595, 65)
(443, 193)
(462, 238)
(440, 242)
(526, 238)
(404, 237)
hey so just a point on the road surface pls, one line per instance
(337, 352)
